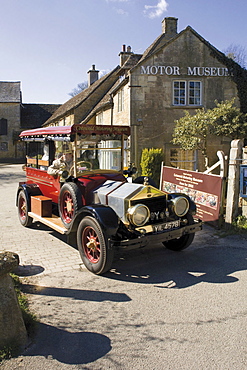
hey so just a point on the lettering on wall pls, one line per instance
(190, 71)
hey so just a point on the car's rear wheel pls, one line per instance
(93, 246)
(23, 209)
(70, 201)
(182, 242)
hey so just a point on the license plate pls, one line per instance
(166, 226)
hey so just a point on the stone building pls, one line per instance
(15, 117)
(177, 72)
(10, 101)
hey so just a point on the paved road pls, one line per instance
(155, 309)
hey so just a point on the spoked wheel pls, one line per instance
(70, 201)
(182, 242)
(22, 204)
(93, 246)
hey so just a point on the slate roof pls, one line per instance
(131, 61)
(34, 115)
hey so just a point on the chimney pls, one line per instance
(93, 75)
(169, 27)
(124, 55)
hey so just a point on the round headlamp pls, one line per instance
(180, 206)
(138, 215)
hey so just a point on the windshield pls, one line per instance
(101, 152)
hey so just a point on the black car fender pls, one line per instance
(105, 215)
(29, 190)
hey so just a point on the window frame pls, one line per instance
(100, 118)
(187, 93)
(3, 127)
(120, 102)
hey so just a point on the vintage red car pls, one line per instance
(93, 200)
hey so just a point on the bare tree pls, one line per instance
(84, 85)
(80, 87)
(237, 53)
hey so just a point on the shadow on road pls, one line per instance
(67, 347)
(213, 264)
(78, 294)
(29, 270)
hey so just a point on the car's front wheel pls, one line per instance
(22, 204)
(93, 246)
(182, 242)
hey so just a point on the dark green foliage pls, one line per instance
(191, 131)
(151, 160)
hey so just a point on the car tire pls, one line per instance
(70, 201)
(23, 209)
(182, 242)
(93, 246)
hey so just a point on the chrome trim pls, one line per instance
(175, 206)
(131, 212)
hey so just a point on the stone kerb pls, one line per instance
(12, 328)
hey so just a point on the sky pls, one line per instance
(49, 45)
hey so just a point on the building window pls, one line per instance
(187, 93)
(3, 126)
(179, 92)
(194, 93)
(185, 159)
(121, 100)
(99, 118)
(3, 146)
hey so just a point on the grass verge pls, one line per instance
(239, 227)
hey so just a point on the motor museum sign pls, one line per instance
(204, 189)
(189, 71)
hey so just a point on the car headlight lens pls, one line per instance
(138, 214)
(180, 206)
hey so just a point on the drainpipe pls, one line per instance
(133, 130)
(112, 106)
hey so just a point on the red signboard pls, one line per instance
(204, 190)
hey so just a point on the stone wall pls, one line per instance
(10, 99)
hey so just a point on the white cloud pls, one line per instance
(122, 12)
(154, 11)
(119, 10)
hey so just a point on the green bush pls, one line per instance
(151, 160)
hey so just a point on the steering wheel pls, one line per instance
(84, 164)
(80, 164)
